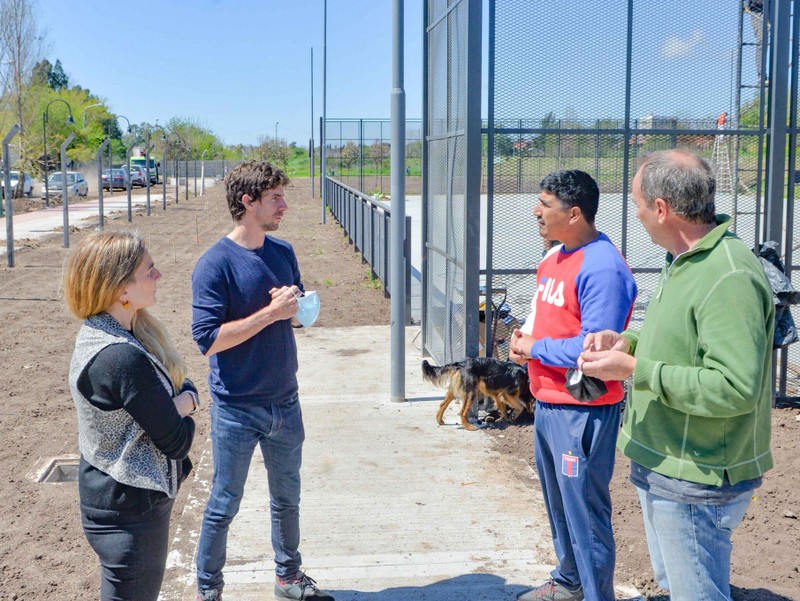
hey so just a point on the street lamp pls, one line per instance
(44, 144)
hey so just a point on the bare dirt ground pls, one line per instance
(43, 553)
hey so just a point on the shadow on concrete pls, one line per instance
(473, 587)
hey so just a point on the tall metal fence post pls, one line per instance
(64, 187)
(398, 169)
(202, 173)
(778, 99)
(407, 270)
(100, 150)
(127, 169)
(8, 193)
(149, 148)
(164, 179)
(361, 155)
(186, 171)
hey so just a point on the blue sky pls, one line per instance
(236, 66)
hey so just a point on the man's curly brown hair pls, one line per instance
(251, 178)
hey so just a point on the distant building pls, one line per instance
(654, 122)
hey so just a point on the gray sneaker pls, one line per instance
(300, 588)
(551, 591)
(209, 594)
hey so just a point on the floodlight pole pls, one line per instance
(323, 134)
(397, 266)
(311, 150)
(8, 193)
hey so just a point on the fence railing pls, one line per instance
(367, 223)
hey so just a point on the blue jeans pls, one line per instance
(235, 432)
(690, 544)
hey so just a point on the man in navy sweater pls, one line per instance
(243, 301)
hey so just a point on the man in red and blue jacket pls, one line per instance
(582, 286)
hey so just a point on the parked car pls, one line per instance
(27, 183)
(138, 176)
(75, 180)
(119, 179)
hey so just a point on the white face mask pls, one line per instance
(307, 309)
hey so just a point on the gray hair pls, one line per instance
(684, 180)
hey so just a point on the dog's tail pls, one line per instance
(438, 375)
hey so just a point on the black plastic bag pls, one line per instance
(783, 294)
(584, 388)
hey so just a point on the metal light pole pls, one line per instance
(276, 131)
(64, 187)
(8, 193)
(202, 174)
(397, 264)
(311, 150)
(44, 144)
(100, 150)
(323, 133)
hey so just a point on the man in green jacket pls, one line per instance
(697, 425)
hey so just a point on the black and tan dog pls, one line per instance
(505, 382)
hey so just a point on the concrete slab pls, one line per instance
(394, 506)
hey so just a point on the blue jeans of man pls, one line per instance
(575, 446)
(235, 432)
(690, 544)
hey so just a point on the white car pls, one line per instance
(75, 180)
(27, 182)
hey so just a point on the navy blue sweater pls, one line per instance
(229, 283)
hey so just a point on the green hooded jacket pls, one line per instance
(700, 407)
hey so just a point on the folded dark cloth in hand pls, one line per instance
(584, 388)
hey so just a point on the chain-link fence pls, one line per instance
(451, 176)
(601, 112)
(358, 154)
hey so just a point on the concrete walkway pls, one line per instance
(395, 507)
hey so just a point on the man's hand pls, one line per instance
(606, 341)
(607, 365)
(284, 302)
(519, 347)
(518, 359)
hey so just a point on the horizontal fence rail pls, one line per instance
(367, 225)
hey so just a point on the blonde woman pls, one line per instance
(133, 401)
